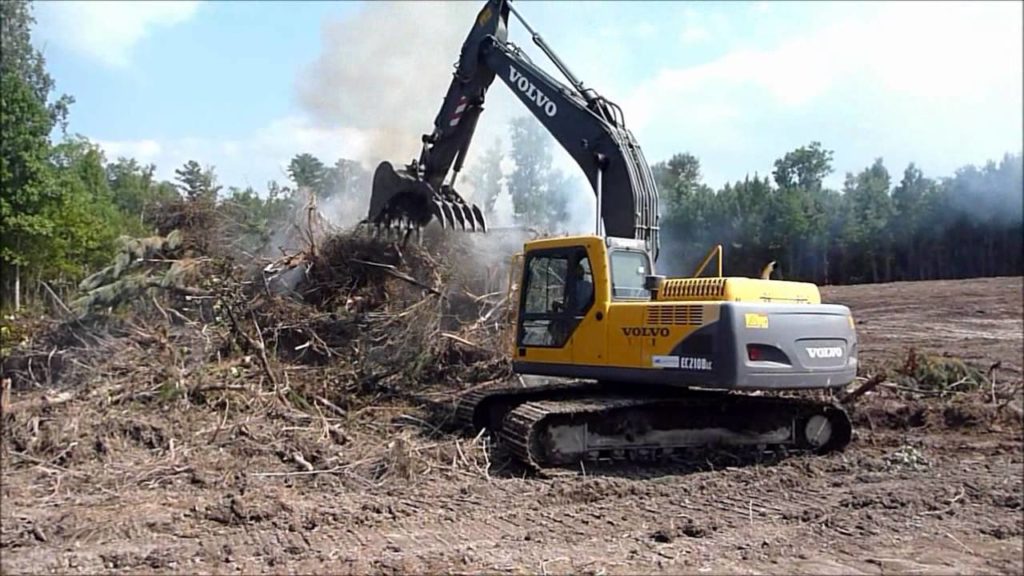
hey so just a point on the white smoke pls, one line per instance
(582, 208)
(346, 208)
(385, 70)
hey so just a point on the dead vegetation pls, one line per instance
(921, 374)
(322, 362)
(898, 394)
(344, 358)
(939, 374)
(302, 405)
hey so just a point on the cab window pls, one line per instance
(546, 283)
(629, 268)
(558, 292)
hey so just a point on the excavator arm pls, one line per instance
(589, 127)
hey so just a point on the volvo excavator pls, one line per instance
(633, 364)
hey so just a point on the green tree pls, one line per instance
(532, 157)
(908, 227)
(134, 191)
(797, 211)
(742, 209)
(558, 186)
(347, 178)
(678, 180)
(26, 119)
(307, 171)
(806, 167)
(86, 221)
(279, 204)
(28, 196)
(21, 60)
(197, 183)
(868, 214)
(245, 220)
(688, 212)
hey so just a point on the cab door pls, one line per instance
(557, 292)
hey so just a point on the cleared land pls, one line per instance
(931, 484)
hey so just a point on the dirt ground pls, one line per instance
(929, 485)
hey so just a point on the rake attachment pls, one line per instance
(402, 199)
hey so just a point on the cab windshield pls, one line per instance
(629, 268)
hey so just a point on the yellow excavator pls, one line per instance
(636, 365)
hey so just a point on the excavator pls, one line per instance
(633, 365)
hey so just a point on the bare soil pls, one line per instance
(930, 484)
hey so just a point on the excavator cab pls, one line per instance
(557, 295)
(592, 307)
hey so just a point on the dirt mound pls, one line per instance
(968, 413)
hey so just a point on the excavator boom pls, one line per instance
(589, 127)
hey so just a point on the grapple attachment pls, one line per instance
(401, 198)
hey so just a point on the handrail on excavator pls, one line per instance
(716, 250)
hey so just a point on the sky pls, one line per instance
(245, 86)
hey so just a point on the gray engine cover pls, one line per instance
(807, 346)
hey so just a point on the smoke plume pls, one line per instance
(385, 70)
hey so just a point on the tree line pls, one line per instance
(875, 229)
(64, 205)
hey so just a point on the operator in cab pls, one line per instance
(584, 287)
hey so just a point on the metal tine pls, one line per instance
(448, 212)
(479, 216)
(449, 217)
(457, 212)
(468, 214)
(436, 208)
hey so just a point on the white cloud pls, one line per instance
(939, 83)
(698, 26)
(107, 31)
(694, 34)
(145, 151)
(254, 160)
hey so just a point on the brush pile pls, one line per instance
(343, 358)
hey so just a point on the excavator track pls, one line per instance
(486, 408)
(563, 425)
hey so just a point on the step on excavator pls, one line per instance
(633, 365)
